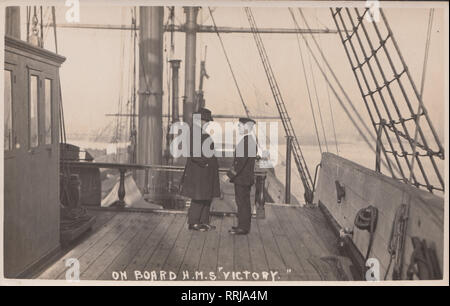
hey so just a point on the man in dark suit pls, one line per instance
(200, 180)
(242, 175)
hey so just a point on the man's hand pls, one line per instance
(231, 173)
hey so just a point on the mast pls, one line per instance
(199, 99)
(133, 132)
(175, 65)
(12, 21)
(190, 61)
(149, 142)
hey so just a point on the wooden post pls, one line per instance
(146, 181)
(121, 192)
(378, 147)
(287, 194)
(12, 21)
(149, 140)
(260, 199)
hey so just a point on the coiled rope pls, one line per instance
(366, 219)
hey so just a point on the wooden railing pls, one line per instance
(260, 178)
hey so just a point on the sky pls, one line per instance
(96, 72)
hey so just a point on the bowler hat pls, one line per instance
(205, 114)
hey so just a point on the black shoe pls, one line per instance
(238, 231)
(197, 227)
(209, 227)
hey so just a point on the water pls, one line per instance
(357, 152)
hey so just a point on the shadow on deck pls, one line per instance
(285, 246)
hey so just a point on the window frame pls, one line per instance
(37, 74)
(13, 142)
(46, 78)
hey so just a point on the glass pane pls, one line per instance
(48, 111)
(34, 126)
(8, 111)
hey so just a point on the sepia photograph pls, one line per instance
(224, 143)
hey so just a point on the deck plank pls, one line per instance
(127, 254)
(101, 218)
(294, 266)
(144, 241)
(100, 246)
(176, 255)
(304, 234)
(210, 254)
(159, 257)
(224, 205)
(303, 224)
(242, 261)
(300, 249)
(227, 202)
(54, 271)
(257, 254)
(114, 249)
(273, 254)
(322, 229)
(140, 260)
(225, 258)
(191, 260)
(273, 221)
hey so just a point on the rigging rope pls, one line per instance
(392, 85)
(318, 101)
(229, 64)
(438, 142)
(333, 74)
(287, 124)
(332, 120)
(54, 29)
(328, 90)
(420, 101)
(347, 112)
(339, 85)
(419, 110)
(309, 93)
(63, 138)
(121, 89)
(396, 244)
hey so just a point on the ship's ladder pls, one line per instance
(282, 110)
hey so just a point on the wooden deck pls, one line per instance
(158, 246)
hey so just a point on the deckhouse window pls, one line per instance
(33, 112)
(48, 111)
(8, 144)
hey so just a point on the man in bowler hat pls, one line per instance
(242, 175)
(200, 180)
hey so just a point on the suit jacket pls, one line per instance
(200, 179)
(244, 161)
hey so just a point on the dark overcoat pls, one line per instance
(244, 161)
(200, 179)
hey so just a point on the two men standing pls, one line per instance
(200, 180)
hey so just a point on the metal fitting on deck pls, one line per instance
(346, 232)
(340, 191)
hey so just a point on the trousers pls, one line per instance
(244, 210)
(198, 212)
